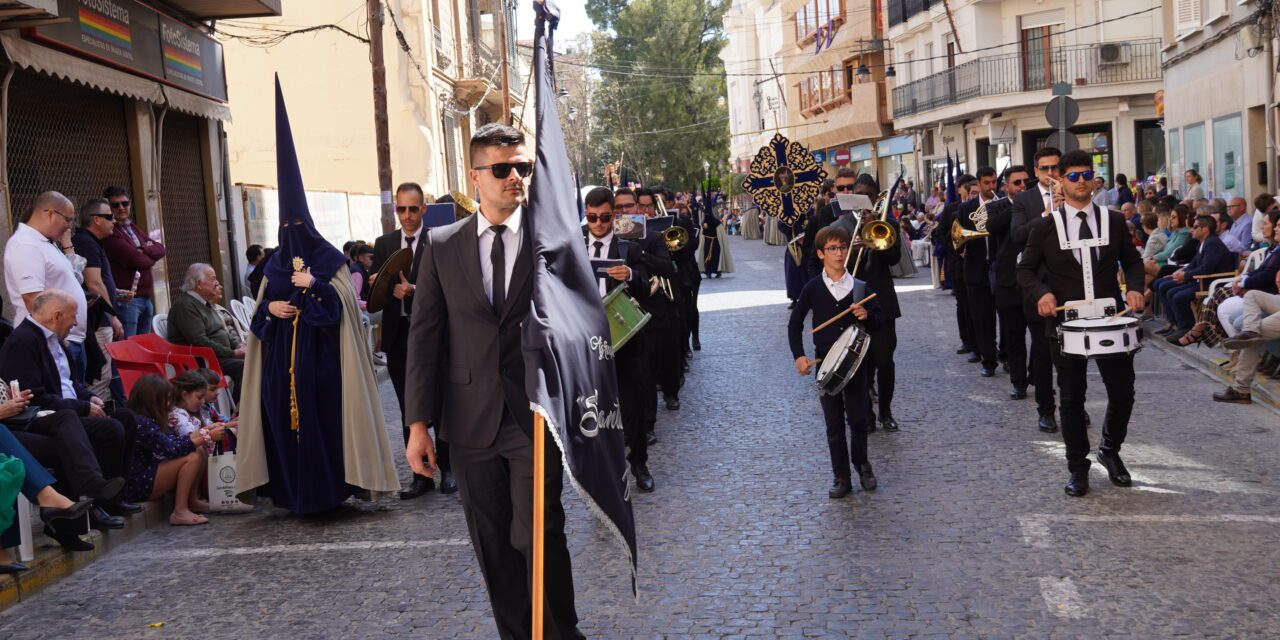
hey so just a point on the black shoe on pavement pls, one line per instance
(988, 372)
(840, 488)
(888, 424)
(650, 439)
(1018, 393)
(73, 512)
(673, 404)
(697, 344)
(122, 508)
(974, 358)
(1174, 337)
(1078, 485)
(1115, 468)
(963, 350)
(65, 533)
(866, 477)
(421, 486)
(1004, 366)
(1233, 396)
(644, 479)
(102, 520)
(1048, 423)
(447, 483)
(12, 568)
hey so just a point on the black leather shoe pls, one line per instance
(673, 404)
(963, 350)
(866, 477)
(974, 358)
(650, 439)
(110, 491)
(122, 508)
(1048, 424)
(988, 372)
(840, 488)
(1004, 366)
(64, 532)
(644, 479)
(888, 424)
(697, 345)
(447, 483)
(420, 486)
(77, 510)
(1078, 485)
(102, 520)
(1115, 468)
(1018, 393)
(12, 568)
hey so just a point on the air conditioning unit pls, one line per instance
(1113, 54)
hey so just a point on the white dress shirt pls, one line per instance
(605, 244)
(838, 288)
(1074, 222)
(511, 241)
(1046, 196)
(59, 359)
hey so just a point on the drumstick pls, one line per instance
(842, 313)
(1069, 306)
(1119, 313)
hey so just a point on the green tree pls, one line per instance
(645, 58)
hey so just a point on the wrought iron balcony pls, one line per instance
(1038, 68)
(443, 49)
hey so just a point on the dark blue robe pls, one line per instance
(305, 466)
(710, 245)
(794, 274)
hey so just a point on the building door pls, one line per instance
(1037, 46)
(1149, 141)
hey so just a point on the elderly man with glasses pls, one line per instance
(132, 254)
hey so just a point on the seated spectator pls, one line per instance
(1178, 290)
(188, 396)
(361, 263)
(1156, 238)
(1264, 204)
(1260, 325)
(1223, 308)
(209, 413)
(1163, 263)
(94, 447)
(1239, 234)
(194, 321)
(168, 462)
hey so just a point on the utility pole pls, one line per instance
(381, 130)
(506, 70)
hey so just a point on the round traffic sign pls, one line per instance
(1063, 141)
(1062, 112)
(841, 157)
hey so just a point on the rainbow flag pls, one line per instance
(106, 29)
(180, 60)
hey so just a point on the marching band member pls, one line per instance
(954, 270)
(1013, 324)
(632, 360)
(834, 291)
(976, 265)
(1081, 220)
(667, 351)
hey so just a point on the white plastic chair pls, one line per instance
(241, 315)
(250, 306)
(160, 325)
(1252, 262)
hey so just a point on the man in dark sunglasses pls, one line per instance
(132, 254)
(1008, 298)
(843, 183)
(1064, 282)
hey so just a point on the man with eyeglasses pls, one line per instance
(1036, 201)
(668, 323)
(1008, 298)
(38, 257)
(397, 315)
(1082, 220)
(635, 380)
(96, 225)
(132, 255)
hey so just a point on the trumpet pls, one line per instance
(675, 238)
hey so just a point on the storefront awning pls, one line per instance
(55, 63)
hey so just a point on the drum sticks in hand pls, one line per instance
(843, 313)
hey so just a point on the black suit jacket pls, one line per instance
(976, 258)
(394, 323)
(874, 269)
(25, 357)
(463, 357)
(1063, 275)
(1212, 257)
(631, 255)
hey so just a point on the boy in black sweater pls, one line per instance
(833, 291)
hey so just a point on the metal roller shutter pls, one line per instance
(182, 198)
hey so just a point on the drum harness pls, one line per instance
(1086, 265)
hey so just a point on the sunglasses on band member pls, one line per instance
(413, 208)
(104, 216)
(602, 217)
(1047, 168)
(123, 204)
(844, 187)
(503, 169)
(1076, 176)
(1018, 183)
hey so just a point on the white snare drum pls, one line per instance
(842, 361)
(1100, 337)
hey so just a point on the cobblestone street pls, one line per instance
(968, 536)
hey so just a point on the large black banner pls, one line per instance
(567, 352)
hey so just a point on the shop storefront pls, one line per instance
(894, 155)
(132, 98)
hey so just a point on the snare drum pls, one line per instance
(1100, 337)
(841, 362)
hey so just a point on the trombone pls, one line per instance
(877, 234)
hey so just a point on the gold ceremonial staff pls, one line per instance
(298, 267)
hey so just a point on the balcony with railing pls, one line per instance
(444, 49)
(1033, 70)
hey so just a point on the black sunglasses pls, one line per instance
(104, 216)
(603, 217)
(413, 208)
(1018, 183)
(844, 187)
(1047, 167)
(123, 204)
(503, 169)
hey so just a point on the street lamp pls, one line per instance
(864, 73)
(890, 72)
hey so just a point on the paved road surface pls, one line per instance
(969, 535)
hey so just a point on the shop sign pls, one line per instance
(138, 39)
(820, 157)
(842, 157)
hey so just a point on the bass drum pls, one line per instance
(842, 361)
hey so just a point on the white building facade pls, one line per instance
(757, 103)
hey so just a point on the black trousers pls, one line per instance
(397, 359)
(1013, 331)
(879, 366)
(690, 309)
(1118, 377)
(982, 315)
(1040, 362)
(233, 368)
(635, 386)
(666, 356)
(496, 485)
(90, 449)
(964, 324)
(850, 407)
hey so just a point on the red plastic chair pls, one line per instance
(204, 355)
(133, 362)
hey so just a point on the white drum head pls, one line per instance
(836, 354)
(1123, 322)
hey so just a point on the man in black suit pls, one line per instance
(632, 360)
(1029, 207)
(94, 449)
(1082, 221)
(669, 328)
(844, 182)
(976, 258)
(396, 318)
(953, 268)
(1008, 299)
(874, 270)
(466, 373)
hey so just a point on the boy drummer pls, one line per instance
(833, 291)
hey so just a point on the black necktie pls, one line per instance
(411, 241)
(598, 245)
(498, 262)
(1085, 233)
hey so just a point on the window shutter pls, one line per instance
(1186, 15)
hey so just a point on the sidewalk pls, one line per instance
(1212, 361)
